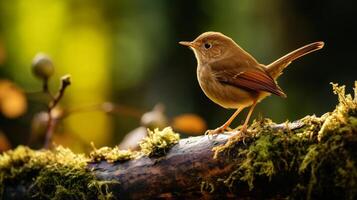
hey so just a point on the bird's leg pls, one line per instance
(242, 132)
(225, 126)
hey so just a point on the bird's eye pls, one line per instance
(208, 45)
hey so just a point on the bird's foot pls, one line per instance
(218, 130)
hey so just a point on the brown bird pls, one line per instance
(234, 79)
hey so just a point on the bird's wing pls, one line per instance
(243, 75)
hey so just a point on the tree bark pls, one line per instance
(184, 172)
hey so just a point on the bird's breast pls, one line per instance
(223, 94)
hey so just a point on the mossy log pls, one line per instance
(312, 158)
(188, 170)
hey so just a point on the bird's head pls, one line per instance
(211, 46)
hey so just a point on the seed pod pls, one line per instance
(42, 66)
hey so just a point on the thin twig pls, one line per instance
(45, 88)
(51, 124)
(65, 82)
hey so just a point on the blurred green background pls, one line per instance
(127, 52)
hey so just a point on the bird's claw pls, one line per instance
(218, 130)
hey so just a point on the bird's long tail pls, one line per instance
(275, 69)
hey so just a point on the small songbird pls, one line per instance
(234, 79)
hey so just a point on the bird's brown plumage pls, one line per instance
(275, 68)
(232, 78)
(245, 77)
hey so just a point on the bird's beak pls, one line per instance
(189, 44)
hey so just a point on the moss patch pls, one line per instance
(111, 154)
(61, 174)
(319, 159)
(155, 144)
(55, 174)
(158, 142)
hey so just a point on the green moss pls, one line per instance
(55, 174)
(158, 142)
(323, 152)
(111, 154)
(336, 147)
(155, 144)
(61, 174)
(342, 119)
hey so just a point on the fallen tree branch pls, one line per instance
(185, 171)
